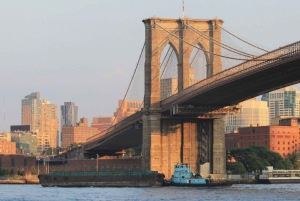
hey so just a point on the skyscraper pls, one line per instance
(252, 112)
(31, 111)
(283, 102)
(69, 116)
(48, 133)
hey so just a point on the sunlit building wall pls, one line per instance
(252, 112)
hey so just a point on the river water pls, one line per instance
(239, 192)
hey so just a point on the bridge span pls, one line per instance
(188, 126)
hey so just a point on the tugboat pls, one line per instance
(184, 177)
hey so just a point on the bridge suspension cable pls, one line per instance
(242, 39)
(234, 58)
(131, 80)
(220, 44)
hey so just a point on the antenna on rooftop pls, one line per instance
(4, 117)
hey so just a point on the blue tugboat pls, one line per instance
(184, 177)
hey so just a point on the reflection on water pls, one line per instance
(236, 192)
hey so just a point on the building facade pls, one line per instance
(7, 147)
(283, 139)
(48, 133)
(102, 123)
(169, 86)
(31, 111)
(283, 102)
(69, 116)
(26, 142)
(126, 108)
(252, 112)
(77, 134)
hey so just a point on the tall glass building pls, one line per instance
(283, 102)
(252, 112)
(69, 116)
(31, 111)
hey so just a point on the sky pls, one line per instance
(86, 51)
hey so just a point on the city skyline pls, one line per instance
(64, 52)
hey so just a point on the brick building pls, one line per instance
(127, 108)
(102, 123)
(283, 139)
(78, 133)
(7, 147)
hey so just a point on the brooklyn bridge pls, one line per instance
(190, 73)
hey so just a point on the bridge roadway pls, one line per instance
(276, 69)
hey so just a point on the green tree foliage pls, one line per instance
(236, 168)
(33, 171)
(295, 161)
(72, 146)
(257, 158)
(12, 172)
(4, 172)
(21, 173)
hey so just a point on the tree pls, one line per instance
(12, 172)
(257, 158)
(130, 152)
(236, 168)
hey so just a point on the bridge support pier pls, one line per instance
(219, 150)
(198, 142)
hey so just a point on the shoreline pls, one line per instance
(19, 181)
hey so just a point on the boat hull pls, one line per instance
(101, 180)
(278, 181)
(207, 184)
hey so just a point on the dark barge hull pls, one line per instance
(148, 180)
(278, 181)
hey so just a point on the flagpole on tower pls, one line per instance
(182, 9)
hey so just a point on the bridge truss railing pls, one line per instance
(260, 61)
(113, 129)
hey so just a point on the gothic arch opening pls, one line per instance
(198, 65)
(168, 72)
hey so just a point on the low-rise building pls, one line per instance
(77, 134)
(26, 142)
(7, 147)
(102, 123)
(283, 139)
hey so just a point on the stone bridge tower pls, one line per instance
(167, 141)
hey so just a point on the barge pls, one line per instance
(102, 179)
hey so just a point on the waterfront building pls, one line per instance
(252, 112)
(283, 139)
(69, 116)
(48, 133)
(31, 111)
(283, 102)
(26, 142)
(102, 123)
(77, 134)
(7, 147)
